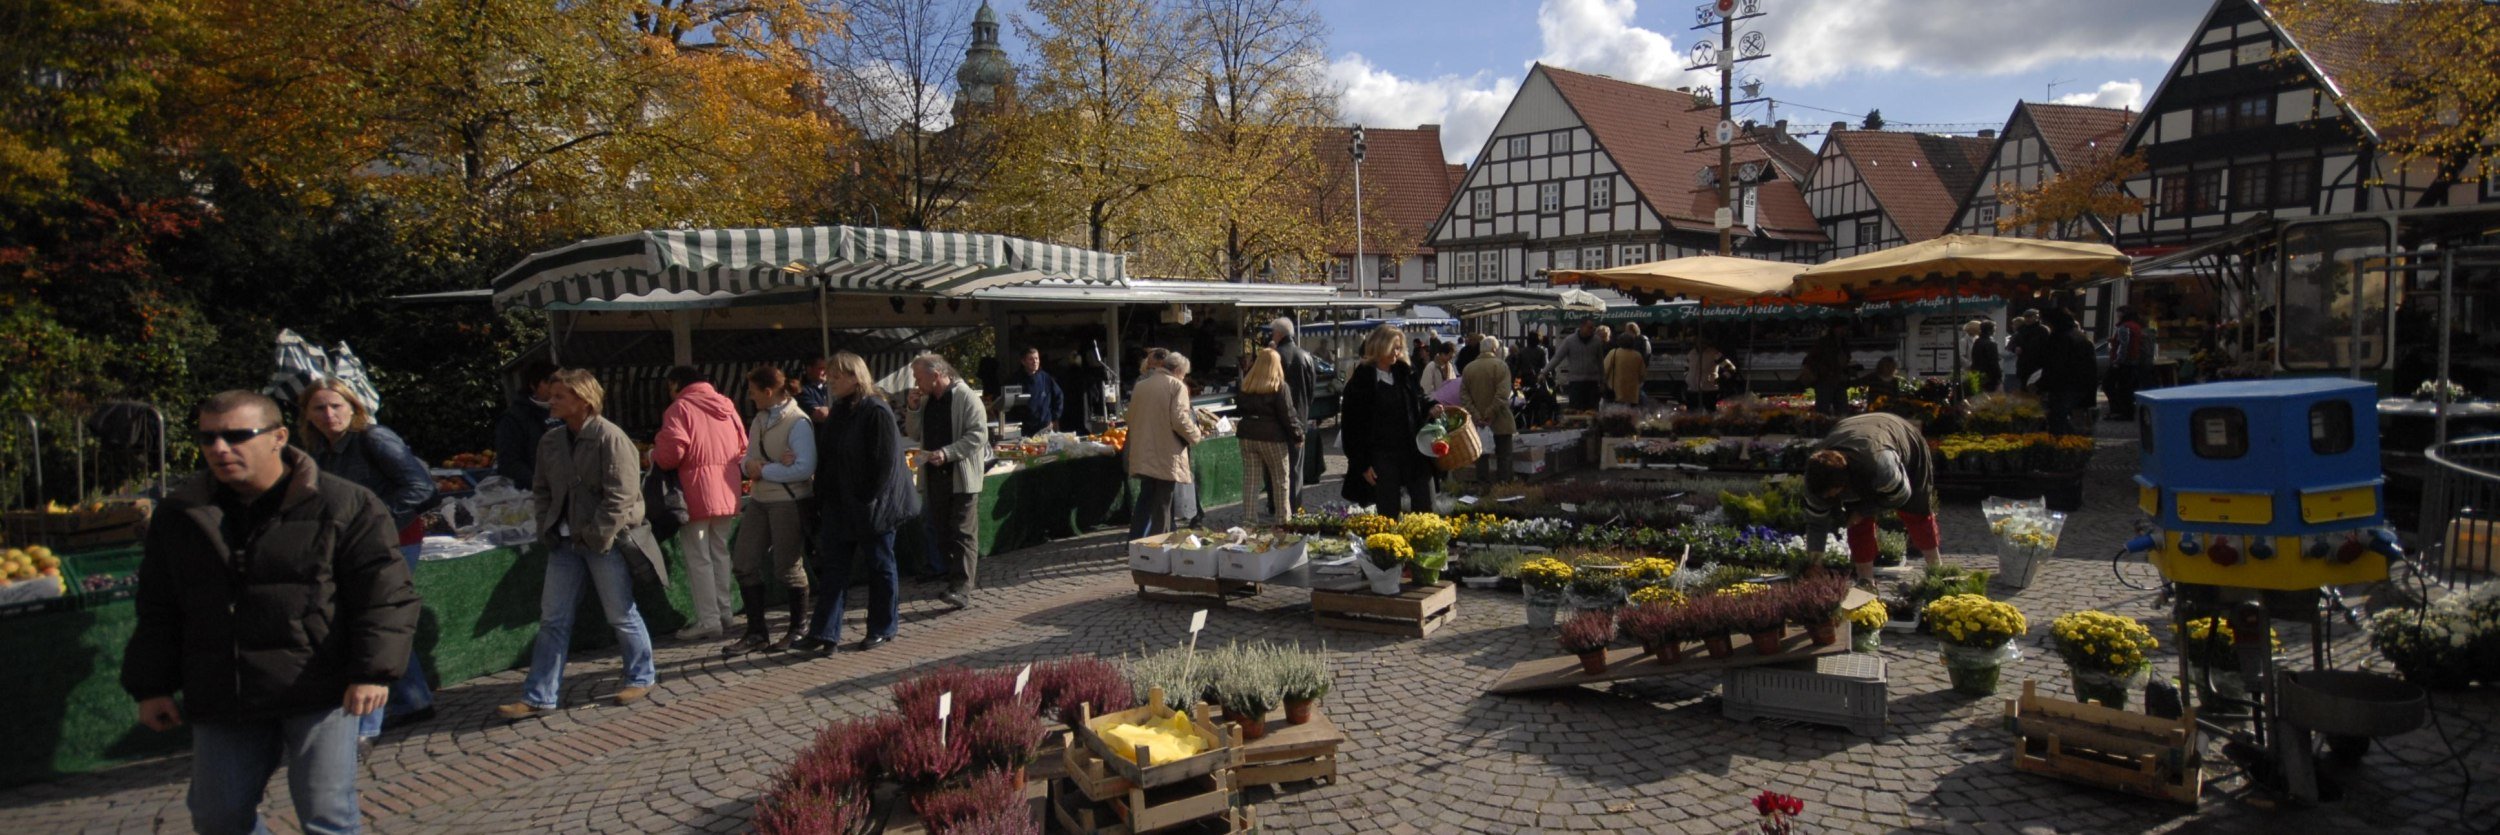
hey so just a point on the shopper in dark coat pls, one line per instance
(2069, 373)
(1302, 381)
(271, 601)
(865, 495)
(1384, 407)
(523, 422)
(1984, 355)
(340, 435)
(2028, 344)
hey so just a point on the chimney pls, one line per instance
(1989, 133)
(1781, 126)
(1839, 126)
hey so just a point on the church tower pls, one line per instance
(986, 83)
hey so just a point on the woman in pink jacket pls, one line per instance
(702, 439)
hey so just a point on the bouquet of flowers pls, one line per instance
(2103, 643)
(1388, 550)
(2454, 640)
(1974, 621)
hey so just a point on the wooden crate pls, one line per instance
(1291, 753)
(1414, 613)
(1080, 816)
(1223, 752)
(2112, 749)
(1170, 588)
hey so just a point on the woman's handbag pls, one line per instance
(1465, 445)
(663, 502)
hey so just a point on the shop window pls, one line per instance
(2219, 433)
(2330, 427)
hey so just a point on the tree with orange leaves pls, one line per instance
(2061, 205)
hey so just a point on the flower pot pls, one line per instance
(1866, 640)
(1253, 728)
(1427, 576)
(1386, 582)
(2109, 689)
(1767, 642)
(1975, 670)
(1593, 662)
(1540, 617)
(1719, 646)
(1667, 652)
(1824, 634)
(1298, 711)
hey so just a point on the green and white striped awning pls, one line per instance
(751, 261)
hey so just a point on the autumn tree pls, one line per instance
(2425, 74)
(1101, 135)
(1256, 66)
(889, 69)
(2061, 206)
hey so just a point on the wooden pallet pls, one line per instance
(1628, 663)
(1079, 816)
(1291, 753)
(1087, 748)
(2112, 749)
(1170, 588)
(1414, 613)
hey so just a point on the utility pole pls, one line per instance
(1725, 55)
(1357, 147)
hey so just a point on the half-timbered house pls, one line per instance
(1875, 189)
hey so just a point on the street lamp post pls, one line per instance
(1357, 147)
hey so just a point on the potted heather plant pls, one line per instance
(922, 761)
(1247, 688)
(1065, 686)
(1710, 619)
(1003, 741)
(1814, 603)
(964, 808)
(1302, 680)
(1762, 614)
(1654, 625)
(1586, 635)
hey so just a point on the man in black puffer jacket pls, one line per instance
(271, 600)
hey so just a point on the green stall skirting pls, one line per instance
(68, 714)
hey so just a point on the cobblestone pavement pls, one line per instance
(1430, 751)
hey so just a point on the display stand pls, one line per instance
(1173, 588)
(2112, 749)
(1414, 613)
(1635, 663)
(1291, 753)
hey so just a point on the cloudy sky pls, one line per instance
(1952, 64)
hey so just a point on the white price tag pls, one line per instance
(1466, 500)
(1023, 677)
(1510, 498)
(946, 706)
(1570, 508)
(1197, 621)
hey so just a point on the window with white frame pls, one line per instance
(1565, 259)
(1463, 267)
(1388, 268)
(1631, 254)
(1488, 267)
(1336, 269)
(1988, 214)
(1484, 204)
(1602, 193)
(1518, 147)
(1432, 270)
(1549, 198)
(1593, 258)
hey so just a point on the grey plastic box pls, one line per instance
(1847, 690)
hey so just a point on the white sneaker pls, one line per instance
(698, 633)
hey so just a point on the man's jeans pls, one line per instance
(410, 693)
(842, 557)
(568, 567)
(231, 763)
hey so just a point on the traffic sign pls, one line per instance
(1723, 219)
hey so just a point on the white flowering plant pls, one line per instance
(2450, 643)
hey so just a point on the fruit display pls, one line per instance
(470, 461)
(29, 574)
(450, 484)
(1115, 437)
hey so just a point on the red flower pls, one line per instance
(1770, 802)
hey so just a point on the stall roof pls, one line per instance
(1425, 316)
(1488, 300)
(744, 261)
(1182, 291)
(655, 300)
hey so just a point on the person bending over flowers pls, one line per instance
(1869, 464)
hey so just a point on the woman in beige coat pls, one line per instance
(1160, 432)
(1484, 387)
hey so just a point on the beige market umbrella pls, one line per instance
(1711, 278)
(1954, 265)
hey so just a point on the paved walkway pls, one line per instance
(1431, 752)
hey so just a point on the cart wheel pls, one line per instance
(2346, 751)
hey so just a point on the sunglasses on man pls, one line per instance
(232, 437)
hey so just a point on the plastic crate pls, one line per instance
(1845, 690)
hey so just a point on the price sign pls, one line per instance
(1022, 678)
(1197, 621)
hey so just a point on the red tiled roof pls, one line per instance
(1649, 133)
(2076, 134)
(1793, 156)
(1918, 179)
(1403, 174)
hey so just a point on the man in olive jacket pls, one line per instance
(955, 443)
(272, 601)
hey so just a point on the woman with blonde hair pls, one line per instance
(864, 494)
(1270, 424)
(588, 496)
(772, 529)
(1384, 408)
(344, 441)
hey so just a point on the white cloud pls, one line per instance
(1464, 106)
(1595, 36)
(1819, 40)
(2128, 94)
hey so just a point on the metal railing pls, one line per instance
(2459, 535)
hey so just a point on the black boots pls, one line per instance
(758, 635)
(798, 622)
